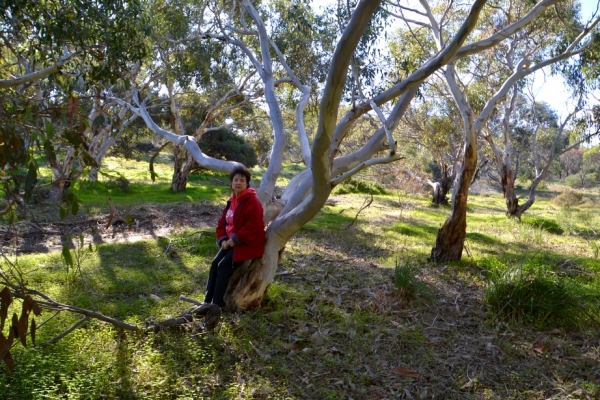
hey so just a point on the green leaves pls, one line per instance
(70, 204)
(225, 144)
(66, 255)
(49, 130)
(30, 180)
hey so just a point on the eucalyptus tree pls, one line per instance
(54, 57)
(560, 39)
(545, 139)
(244, 28)
(523, 56)
(434, 125)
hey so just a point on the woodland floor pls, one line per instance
(45, 232)
(333, 324)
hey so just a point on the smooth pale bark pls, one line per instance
(37, 75)
(439, 189)
(503, 158)
(251, 288)
(450, 54)
(322, 173)
(314, 187)
(450, 239)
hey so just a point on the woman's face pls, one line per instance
(239, 184)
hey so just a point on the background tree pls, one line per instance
(433, 126)
(476, 111)
(56, 56)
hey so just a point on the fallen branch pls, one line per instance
(189, 300)
(211, 312)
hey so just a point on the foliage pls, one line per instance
(227, 145)
(75, 258)
(100, 40)
(19, 325)
(359, 186)
(535, 296)
(333, 304)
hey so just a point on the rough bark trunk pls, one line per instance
(439, 197)
(508, 189)
(57, 190)
(182, 167)
(250, 281)
(441, 188)
(451, 236)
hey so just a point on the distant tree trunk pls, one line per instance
(508, 189)
(182, 167)
(61, 179)
(439, 189)
(445, 184)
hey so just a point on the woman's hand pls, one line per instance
(227, 243)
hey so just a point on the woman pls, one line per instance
(240, 235)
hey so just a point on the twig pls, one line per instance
(361, 209)
(65, 333)
(189, 300)
(201, 233)
(87, 221)
(54, 305)
(46, 321)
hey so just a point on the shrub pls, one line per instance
(359, 186)
(575, 181)
(546, 224)
(116, 182)
(541, 299)
(568, 198)
(227, 145)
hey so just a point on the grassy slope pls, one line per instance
(332, 326)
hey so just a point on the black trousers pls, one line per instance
(221, 269)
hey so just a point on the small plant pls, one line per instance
(568, 198)
(75, 258)
(594, 245)
(407, 283)
(541, 299)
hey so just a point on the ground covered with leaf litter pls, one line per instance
(333, 324)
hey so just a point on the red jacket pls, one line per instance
(249, 228)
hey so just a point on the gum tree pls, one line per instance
(545, 45)
(243, 27)
(524, 55)
(55, 56)
(308, 191)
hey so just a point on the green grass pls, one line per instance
(336, 321)
(542, 299)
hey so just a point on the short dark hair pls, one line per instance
(241, 170)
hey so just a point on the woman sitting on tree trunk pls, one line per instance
(240, 235)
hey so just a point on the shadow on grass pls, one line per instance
(482, 238)
(131, 279)
(414, 229)
(547, 224)
(142, 193)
